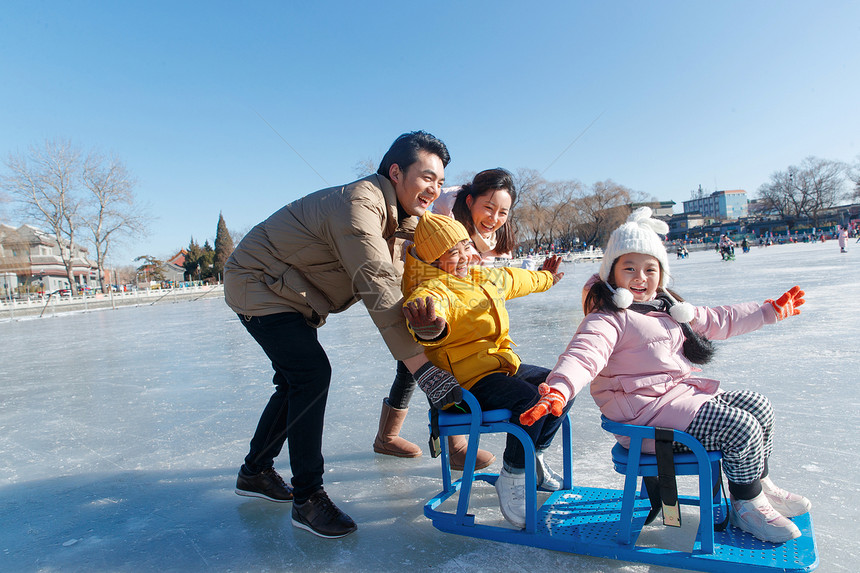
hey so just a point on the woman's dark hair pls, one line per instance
(404, 151)
(484, 183)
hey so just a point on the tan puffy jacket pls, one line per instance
(322, 253)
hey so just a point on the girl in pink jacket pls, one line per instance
(637, 346)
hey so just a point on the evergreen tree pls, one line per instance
(207, 260)
(223, 248)
(193, 267)
(151, 268)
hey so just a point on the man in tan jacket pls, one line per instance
(318, 255)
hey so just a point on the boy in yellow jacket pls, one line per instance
(458, 313)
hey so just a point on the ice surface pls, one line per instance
(121, 431)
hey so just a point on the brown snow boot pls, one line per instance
(457, 454)
(387, 440)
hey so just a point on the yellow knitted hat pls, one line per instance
(435, 234)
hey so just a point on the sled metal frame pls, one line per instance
(633, 464)
(586, 520)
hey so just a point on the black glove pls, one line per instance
(441, 387)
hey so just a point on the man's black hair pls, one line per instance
(404, 151)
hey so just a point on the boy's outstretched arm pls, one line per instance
(551, 264)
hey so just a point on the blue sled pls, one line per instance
(587, 521)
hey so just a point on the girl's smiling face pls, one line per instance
(638, 273)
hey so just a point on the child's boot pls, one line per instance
(457, 454)
(788, 504)
(758, 517)
(547, 479)
(511, 488)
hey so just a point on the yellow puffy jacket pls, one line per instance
(476, 342)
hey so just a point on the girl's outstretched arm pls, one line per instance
(787, 304)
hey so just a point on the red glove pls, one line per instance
(787, 304)
(551, 401)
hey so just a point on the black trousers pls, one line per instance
(296, 411)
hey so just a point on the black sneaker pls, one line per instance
(321, 517)
(267, 484)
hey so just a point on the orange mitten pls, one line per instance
(787, 304)
(551, 401)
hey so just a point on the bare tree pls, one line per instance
(602, 208)
(4, 201)
(110, 212)
(552, 210)
(854, 176)
(562, 214)
(125, 274)
(364, 167)
(45, 183)
(803, 191)
(59, 188)
(529, 212)
(824, 183)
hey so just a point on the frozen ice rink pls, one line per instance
(121, 431)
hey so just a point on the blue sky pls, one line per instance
(718, 94)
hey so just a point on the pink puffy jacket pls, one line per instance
(636, 367)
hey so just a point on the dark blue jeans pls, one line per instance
(518, 393)
(296, 411)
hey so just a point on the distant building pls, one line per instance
(681, 224)
(174, 269)
(720, 205)
(661, 209)
(31, 256)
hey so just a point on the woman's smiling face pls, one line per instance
(489, 211)
(638, 273)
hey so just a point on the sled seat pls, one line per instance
(635, 464)
(473, 424)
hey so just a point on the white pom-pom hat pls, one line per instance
(639, 235)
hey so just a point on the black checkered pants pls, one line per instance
(739, 424)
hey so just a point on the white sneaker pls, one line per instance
(547, 479)
(512, 497)
(788, 504)
(758, 517)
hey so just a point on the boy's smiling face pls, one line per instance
(455, 260)
(638, 273)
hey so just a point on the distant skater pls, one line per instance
(843, 237)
